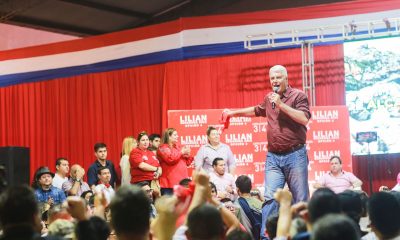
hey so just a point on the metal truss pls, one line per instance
(307, 37)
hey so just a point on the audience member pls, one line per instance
(128, 144)
(297, 226)
(104, 185)
(335, 226)
(224, 181)
(351, 206)
(58, 211)
(62, 170)
(384, 213)
(185, 182)
(255, 193)
(35, 183)
(149, 193)
(130, 213)
(205, 222)
(324, 201)
(87, 195)
(271, 225)
(229, 205)
(62, 228)
(19, 215)
(214, 191)
(75, 185)
(88, 227)
(144, 164)
(214, 148)
(46, 193)
(364, 221)
(201, 195)
(395, 188)
(100, 151)
(155, 142)
(337, 179)
(174, 160)
(250, 208)
(238, 234)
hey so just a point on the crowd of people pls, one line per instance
(155, 198)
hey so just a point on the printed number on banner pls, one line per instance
(260, 147)
(260, 128)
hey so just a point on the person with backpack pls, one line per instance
(250, 209)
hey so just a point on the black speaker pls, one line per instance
(15, 161)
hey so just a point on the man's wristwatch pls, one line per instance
(78, 180)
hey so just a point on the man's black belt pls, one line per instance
(290, 150)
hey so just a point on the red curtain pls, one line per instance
(383, 170)
(65, 117)
(242, 80)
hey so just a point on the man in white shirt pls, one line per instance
(104, 186)
(62, 171)
(224, 181)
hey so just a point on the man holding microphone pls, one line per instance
(287, 112)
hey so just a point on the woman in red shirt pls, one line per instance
(144, 163)
(174, 160)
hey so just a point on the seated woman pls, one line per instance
(174, 160)
(128, 144)
(144, 164)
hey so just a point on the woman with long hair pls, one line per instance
(144, 163)
(174, 160)
(128, 144)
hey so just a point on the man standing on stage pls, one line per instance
(287, 112)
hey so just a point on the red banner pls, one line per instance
(328, 134)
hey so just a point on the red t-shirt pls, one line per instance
(138, 156)
(173, 164)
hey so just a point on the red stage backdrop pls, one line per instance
(328, 134)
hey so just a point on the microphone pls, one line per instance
(275, 89)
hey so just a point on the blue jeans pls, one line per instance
(291, 168)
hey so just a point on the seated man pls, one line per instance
(62, 171)
(224, 181)
(75, 185)
(46, 193)
(250, 208)
(104, 175)
(337, 179)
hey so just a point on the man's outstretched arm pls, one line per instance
(248, 111)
